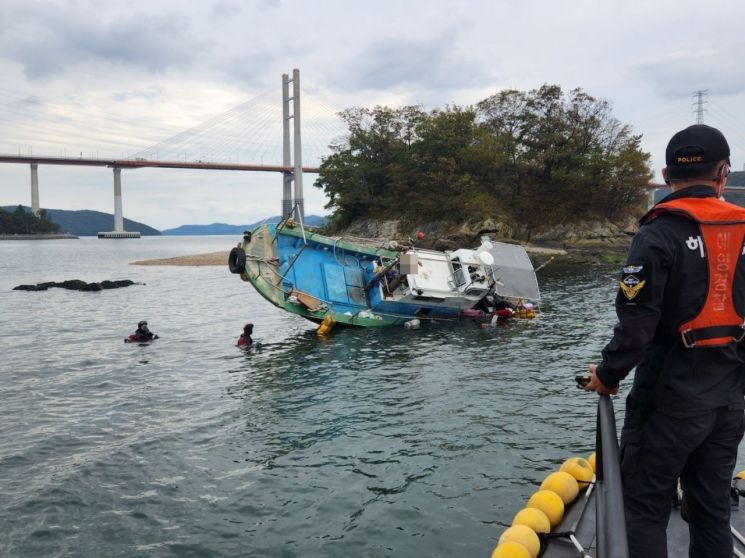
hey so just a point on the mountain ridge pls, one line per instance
(225, 228)
(87, 222)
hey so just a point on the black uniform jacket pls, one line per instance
(664, 284)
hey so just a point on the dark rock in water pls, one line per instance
(77, 285)
(72, 284)
(39, 287)
(116, 284)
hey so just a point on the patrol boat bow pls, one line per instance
(594, 524)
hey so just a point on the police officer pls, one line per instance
(680, 305)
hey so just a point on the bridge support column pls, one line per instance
(35, 209)
(118, 217)
(118, 231)
(286, 161)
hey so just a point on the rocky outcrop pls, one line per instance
(587, 236)
(438, 235)
(77, 285)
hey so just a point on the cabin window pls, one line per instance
(474, 292)
(425, 298)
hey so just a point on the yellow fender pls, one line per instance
(326, 325)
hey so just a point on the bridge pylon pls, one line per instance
(35, 208)
(296, 176)
(118, 231)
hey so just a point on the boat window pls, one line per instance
(474, 292)
(429, 298)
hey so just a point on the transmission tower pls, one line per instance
(699, 102)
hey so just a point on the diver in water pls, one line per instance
(142, 334)
(245, 341)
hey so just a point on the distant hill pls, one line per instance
(224, 228)
(85, 222)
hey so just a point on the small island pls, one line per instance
(22, 225)
(547, 167)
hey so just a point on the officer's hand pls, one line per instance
(596, 385)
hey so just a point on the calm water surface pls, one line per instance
(370, 443)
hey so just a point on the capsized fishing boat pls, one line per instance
(578, 511)
(331, 280)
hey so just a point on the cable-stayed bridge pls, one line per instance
(265, 134)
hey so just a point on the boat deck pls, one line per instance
(677, 531)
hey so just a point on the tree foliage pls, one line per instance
(20, 222)
(540, 157)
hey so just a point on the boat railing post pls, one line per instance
(302, 226)
(283, 222)
(610, 519)
(281, 225)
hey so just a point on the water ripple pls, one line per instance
(369, 443)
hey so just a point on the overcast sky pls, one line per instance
(103, 78)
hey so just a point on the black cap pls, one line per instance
(248, 328)
(694, 150)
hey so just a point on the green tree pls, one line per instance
(22, 222)
(357, 176)
(540, 157)
(566, 155)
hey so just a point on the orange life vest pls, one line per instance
(722, 226)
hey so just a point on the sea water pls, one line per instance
(389, 442)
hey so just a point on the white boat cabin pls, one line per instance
(458, 279)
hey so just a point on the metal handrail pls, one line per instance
(610, 519)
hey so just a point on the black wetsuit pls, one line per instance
(143, 335)
(684, 414)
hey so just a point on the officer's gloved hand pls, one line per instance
(596, 385)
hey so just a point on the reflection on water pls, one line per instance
(385, 442)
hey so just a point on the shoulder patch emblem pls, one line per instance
(631, 285)
(633, 268)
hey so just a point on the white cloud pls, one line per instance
(677, 74)
(111, 79)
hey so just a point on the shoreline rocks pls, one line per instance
(587, 242)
